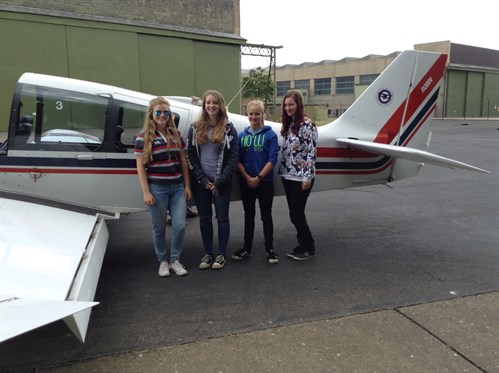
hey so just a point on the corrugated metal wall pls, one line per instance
(472, 94)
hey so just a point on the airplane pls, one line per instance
(68, 165)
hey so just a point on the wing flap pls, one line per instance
(51, 259)
(18, 316)
(411, 154)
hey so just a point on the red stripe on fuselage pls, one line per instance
(355, 172)
(343, 153)
(81, 171)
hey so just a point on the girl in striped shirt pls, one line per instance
(164, 177)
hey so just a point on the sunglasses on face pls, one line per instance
(158, 113)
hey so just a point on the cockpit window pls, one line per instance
(131, 119)
(54, 119)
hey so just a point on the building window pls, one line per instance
(367, 79)
(344, 84)
(304, 83)
(322, 86)
(283, 87)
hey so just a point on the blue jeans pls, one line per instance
(168, 198)
(204, 199)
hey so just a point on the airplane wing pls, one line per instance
(50, 256)
(411, 154)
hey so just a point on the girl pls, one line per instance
(213, 157)
(258, 151)
(164, 177)
(299, 150)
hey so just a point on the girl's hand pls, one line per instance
(253, 182)
(187, 193)
(149, 199)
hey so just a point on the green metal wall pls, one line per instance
(472, 94)
(490, 104)
(143, 59)
(214, 66)
(166, 65)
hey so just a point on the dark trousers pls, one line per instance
(265, 196)
(297, 201)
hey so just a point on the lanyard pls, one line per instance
(164, 138)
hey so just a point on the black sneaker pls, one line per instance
(241, 254)
(304, 255)
(219, 262)
(272, 257)
(206, 262)
(297, 250)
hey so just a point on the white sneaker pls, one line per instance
(178, 268)
(164, 271)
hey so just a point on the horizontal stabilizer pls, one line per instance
(411, 154)
(24, 315)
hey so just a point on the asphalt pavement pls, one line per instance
(406, 280)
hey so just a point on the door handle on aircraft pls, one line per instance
(35, 174)
(85, 157)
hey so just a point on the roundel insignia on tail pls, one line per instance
(384, 96)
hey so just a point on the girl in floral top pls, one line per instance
(299, 150)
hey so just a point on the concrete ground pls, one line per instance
(458, 335)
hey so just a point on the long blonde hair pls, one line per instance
(149, 128)
(203, 122)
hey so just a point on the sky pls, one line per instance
(316, 30)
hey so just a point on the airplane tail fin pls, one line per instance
(398, 106)
(388, 126)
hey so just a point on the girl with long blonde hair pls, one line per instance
(213, 157)
(164, 177)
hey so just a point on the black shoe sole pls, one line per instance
(310, 256)
(240, 257)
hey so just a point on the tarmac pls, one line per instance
(406, 280)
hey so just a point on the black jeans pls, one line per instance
(297, 201)
(265, 196)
